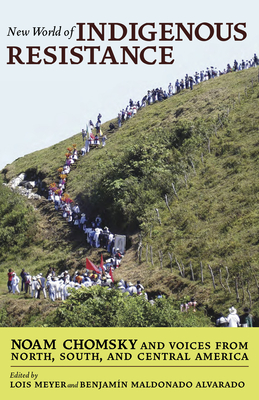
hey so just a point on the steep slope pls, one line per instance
(198, 151)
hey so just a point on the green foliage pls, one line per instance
(4, 320)
(144, 172)
(204, 143)
(17, 221)
(102, 307)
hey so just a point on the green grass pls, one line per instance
(203, 141)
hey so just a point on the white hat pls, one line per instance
(232, 310)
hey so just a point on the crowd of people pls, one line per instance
(58, 288)
(93, 135)
(57, 285)
(192, 304)
(160, 94)
(234, 321)
(96, 235)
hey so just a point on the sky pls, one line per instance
(43, 104)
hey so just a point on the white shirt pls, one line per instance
(233, 320)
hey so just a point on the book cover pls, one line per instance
(63, 63)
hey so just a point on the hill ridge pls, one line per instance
(205, 143)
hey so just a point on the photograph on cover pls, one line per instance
(128, 204)
(129, 164)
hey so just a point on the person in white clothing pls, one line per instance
(50, 288)
(33, 287)
(66, 278)
(96, 237)
(83, 151)
(232, 318)
(221, 321)
(84, 134)
(15, 282)
(75, 155)
(87, 145)
(43, 282)
(50, 196)
(76, 209)
(66, 170)
(132, 289)
(121, 287)
(82, 219)
(57, 201)
(104, 138)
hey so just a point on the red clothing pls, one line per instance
(10, 276)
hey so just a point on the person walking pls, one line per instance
(23, 277)
(15, 282)
(9, 281)
(246, 320)
(232, 318)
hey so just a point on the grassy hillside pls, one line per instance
(199, 151)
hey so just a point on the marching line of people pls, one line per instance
(90, 139)
(57, 286)
(96, 236)
(160, 94)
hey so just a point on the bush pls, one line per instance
(102, 307)
(17, 221)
